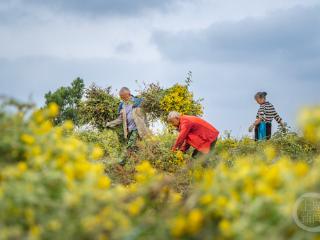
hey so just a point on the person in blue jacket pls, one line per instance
(132, 118)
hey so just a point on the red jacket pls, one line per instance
(196, 132)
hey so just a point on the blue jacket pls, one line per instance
(136, 103)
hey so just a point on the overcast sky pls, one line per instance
(233, 47)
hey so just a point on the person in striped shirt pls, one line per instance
(266, 113)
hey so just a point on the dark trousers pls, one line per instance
(268, 128)
(197, 153)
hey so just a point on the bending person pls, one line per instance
(195, 132)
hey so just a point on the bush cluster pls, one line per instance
(53, 184)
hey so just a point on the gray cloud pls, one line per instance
(277, 52)
(28, 11)
(124, 47)
(102, 7)
(288, 35)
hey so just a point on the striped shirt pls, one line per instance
(267, 113)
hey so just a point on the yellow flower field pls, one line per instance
(55, 186)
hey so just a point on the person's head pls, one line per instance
(125, 94)
(260, 97)
(174, 118)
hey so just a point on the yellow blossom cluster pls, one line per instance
(309, 120)
(57, 188)
(179, 98)
(234, 197)
(54, 186)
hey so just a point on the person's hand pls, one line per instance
(283, 124)
(251, 128)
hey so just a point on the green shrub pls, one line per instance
(108, 140)
(99, 107)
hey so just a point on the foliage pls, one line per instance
(108, 140)
(157, 149)
(253, 199)
(290, 145)
(7, 102)
(179, 98)
(159, 101)
(44, 194)
(68, 100)
(310, 121)
(99, 107)
(152, 95)
(55, 188)
(11, 128)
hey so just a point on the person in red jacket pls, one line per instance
(195, 132)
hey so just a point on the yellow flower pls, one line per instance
(28, 139)
(81, 169)
(103, 182)
(176, 197)
(144, 166)
(45, 127)
(144, 171)
(195, 220)
(90, 223)
(249, 187)
(53, 109)
(69, 172)
(102, 237)
(222, 201)
(273, 176)
(54, 225)
(206, 199)
(135, 207)
(68, 125)
(22, 167)
(97, 168)
(178, 226)
(301, 169)
(309, 119)
(35, 231)
(208, 177)
(178, 98)
(97, 153)
(270, 152)
(29, 215)
(264, 189)
(36, 150)
(225, 227)
(179, 155)
(38, 116)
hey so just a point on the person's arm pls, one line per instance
(278, 118)
(261, 115)
(257, 121)
(185, 147)
(185, 126)
(259, 118)
(118, 120)
(115, 122)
